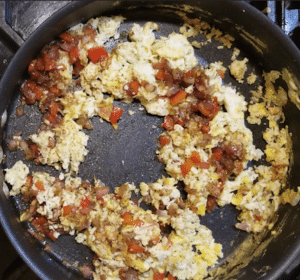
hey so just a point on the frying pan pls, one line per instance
(128, 154)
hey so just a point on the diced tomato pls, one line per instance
(53, 119)
(204, 165)
(55, 90)
(138, 222)
(115, 115)
(134, 88)
(164, 140)
(85, 202)
(54, 108)
(217, 153)
(222, 174)
(128, 220)
(40, 186)
(209, 108)
(116, 196)
(34, 88)
(50, 234)
(34, 148)
(40, 221)
(158, 276)
(31, 84)
(180, 122)
(180, 96)
(211, 203)
(74, 55)
(49, 63)
(205, 129)
(186, 167)
(38, 92)
(221, 73)
(40, 64)
(67, 210)
(189, 73)
(169, 123)
(195, 157)
(238, 166)
(67, 37)
(257, 218)
(97, 54)
(32, 65)
(134, 247)
(171, 277)
(28, 182)
(155, 240)
(77, 67)
(160, 75)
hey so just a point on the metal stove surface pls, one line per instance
(18, 19)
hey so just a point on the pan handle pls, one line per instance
(7, 30)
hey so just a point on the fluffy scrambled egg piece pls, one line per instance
(238, 69)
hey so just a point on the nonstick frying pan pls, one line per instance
(258, 38)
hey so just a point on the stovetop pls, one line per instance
(18, 19)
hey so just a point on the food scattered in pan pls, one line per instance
(206, 146)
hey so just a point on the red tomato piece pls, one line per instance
(28, 182)
(180, 96)
(186, 167)
(40, 186)
(211, 203)
(160, 75)
(257, 218)
(54, 108)
(74, 55)
(204, 165)
(221, 73)
(127, 219)
(209, 108)
(217, 153)
(134, 86)
(32, 65)
(169, 123)
(40, 221)
(134, 248)
(97, 54)
(115, 114)
(67, 37)
(158, 276)
(85, 202)
(164, 140)
(49, 63)
(155, 240)
(171, 277)
(195, 157)
(67, 210)
(38, 92)
(205, 129)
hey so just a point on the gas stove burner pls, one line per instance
(18, 19)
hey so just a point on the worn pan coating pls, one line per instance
(135, 141)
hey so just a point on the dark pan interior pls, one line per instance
(128, 154)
